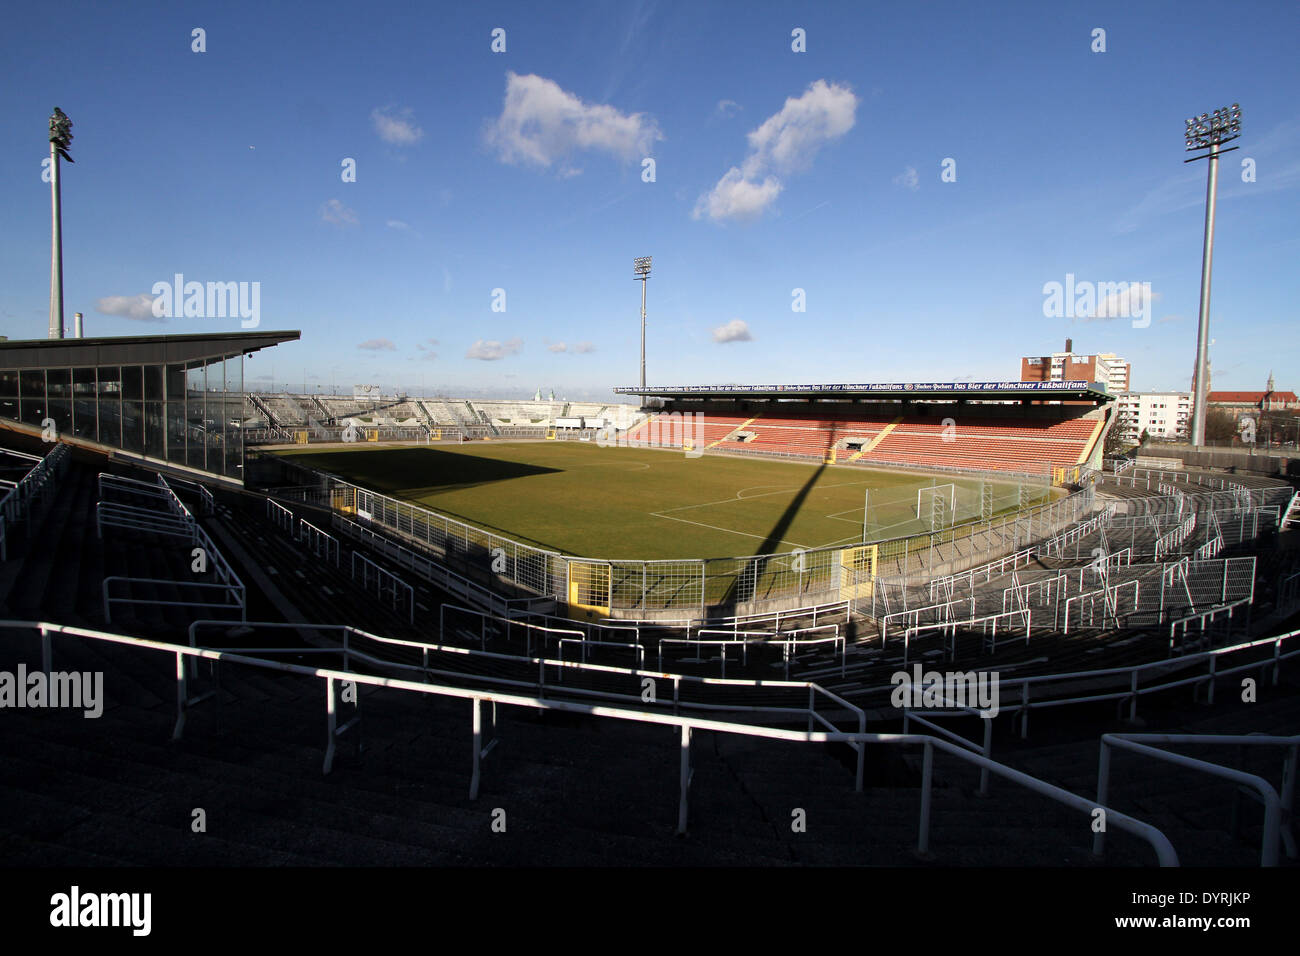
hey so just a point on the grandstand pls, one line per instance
(249, 630)
(963, 426)
(289, 409)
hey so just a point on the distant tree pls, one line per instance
(1220, 425)
(1144, 438)
(1115, 446)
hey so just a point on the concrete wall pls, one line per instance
(1243, 459)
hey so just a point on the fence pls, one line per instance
(1277, 810)
(686, 725)
(1124, 685)
(31, 491)
(165, 515)
(389, 588)
(1111, 592)
(707, 588)
(320, 543)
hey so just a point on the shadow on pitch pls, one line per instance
(415, 472)
(751, 577)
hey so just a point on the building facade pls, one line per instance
(1105, 367)
(1162, 415)
(169, 398)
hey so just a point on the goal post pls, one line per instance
(931, 503)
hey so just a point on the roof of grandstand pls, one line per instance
(118, 349)
(890, 391)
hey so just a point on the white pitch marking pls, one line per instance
(727, 501)
(761, 537)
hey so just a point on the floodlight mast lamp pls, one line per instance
(60, 140)
(1208, 132)
(641, 272)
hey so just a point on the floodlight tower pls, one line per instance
(60, 140)
(1208, 132)
(641, 272)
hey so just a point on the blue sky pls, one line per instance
(775, 170)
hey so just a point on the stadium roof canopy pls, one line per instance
(891, 391)
(135, 349)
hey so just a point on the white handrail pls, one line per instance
(1273, 805)
(1165, 853)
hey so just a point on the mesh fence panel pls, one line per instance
(690, 587)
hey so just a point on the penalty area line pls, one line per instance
(656, 514)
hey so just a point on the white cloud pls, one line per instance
(584, 348)
(785, 143)
(557, 347)
(1134, 299)
(734, 331)
(908, 179)
(789, 140)
(398, 224)
(138, 308)
(542, 124)
(727, 108)
(423, 347)
(378, 345)
(334, 211)
(396, 126)
(491, 351)
(735, 197)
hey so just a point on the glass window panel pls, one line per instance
(176, 429)
(133, 426)
(59, 382)
(153, 383)
(132, 382)
(155, 430)
(175, 382)
(110, 381)
(33, 383)
(8, 383)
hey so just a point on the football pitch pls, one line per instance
(642, 503)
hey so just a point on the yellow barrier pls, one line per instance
(589, 585)
(858, 571)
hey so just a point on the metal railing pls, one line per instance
(30, 491)
(1122, 684)
(175, 521)
(386, 584)
(687, 725)
(281, 517)
(428, 569)
(320, 543)
(1277, 810)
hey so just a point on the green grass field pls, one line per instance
(618, 503)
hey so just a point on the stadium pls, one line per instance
(751, 567)
(340, 526)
